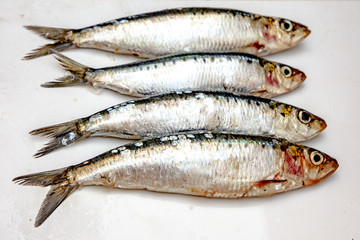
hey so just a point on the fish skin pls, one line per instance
(231, 71)
(213, 165)
(187, 111)
(179, 30)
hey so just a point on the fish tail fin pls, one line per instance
(60, 189)
(62, 134)
(45, 50)
(77, 70)
(60, 35)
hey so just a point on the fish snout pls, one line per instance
(301, 33)
(298, 78)
(331, 165)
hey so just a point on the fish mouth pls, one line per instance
(301, 34)
(335, 166)
(299, 78)
(322, 178)
(322, 127)
(306, 32)
(322, 124)
(302, 76)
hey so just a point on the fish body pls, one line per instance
(234, 72)
(179, 30)
(215, 165)
(188, 111)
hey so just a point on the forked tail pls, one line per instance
(60, 189)
(60, 35)
(62, 135)
(77, 70)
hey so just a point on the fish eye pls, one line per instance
(286, 71)
(316, 158)
(304, 117)
(286, 25)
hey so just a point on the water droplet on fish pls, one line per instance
(138, 144)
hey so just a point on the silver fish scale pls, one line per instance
(173, 113)
(235, 72)
(173, 32)
(220, 166)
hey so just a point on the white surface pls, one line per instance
(329, 57)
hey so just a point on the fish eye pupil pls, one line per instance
(286, 71)
(317, 158)
(286, 25)
(305, 116)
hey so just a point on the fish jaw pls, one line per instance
(300, 35)
(316, 126)
(320, 126)
(318, 176)
(297, 79)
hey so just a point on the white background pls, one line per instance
(329, 57)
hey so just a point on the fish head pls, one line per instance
(307, 166)
(281, 78)
(278, 34)
(295, 124)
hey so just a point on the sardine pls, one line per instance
(177, 31)
(188, 111)
(205, 164)
(234, 72)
